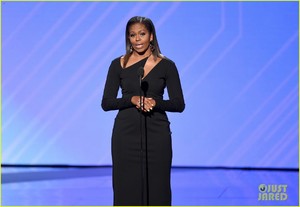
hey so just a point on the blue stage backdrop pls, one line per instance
(238, 63)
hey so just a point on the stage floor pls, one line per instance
(190, 187)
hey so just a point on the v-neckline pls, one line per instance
(145, 58)
(151, 70)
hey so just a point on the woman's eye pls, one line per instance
(143, 34)
(131, 35)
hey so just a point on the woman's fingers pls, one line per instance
(148, 104)
(143, 103)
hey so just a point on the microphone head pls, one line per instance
(140, 72)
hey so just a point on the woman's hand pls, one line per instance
(149, 104)
(146, 104)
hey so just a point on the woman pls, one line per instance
(141, 138)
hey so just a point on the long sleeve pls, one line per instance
(176, 100)
(109, 99)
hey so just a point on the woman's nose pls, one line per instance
(137, 38)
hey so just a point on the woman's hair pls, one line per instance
(151, 29)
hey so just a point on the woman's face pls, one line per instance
(139, 37)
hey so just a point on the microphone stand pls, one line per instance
(141, 74)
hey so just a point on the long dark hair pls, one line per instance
(151, 29)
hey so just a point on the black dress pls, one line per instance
(141, 142)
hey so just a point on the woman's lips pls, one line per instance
(139, 46)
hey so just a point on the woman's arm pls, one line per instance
(109, 99)
(176, 100)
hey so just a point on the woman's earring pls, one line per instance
(152, 48)
(130, 49)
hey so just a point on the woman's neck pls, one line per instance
(141, 55)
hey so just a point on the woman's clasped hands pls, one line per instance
(145, 104)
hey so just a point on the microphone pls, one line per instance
(140, 72)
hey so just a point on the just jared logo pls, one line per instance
(272, 192)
